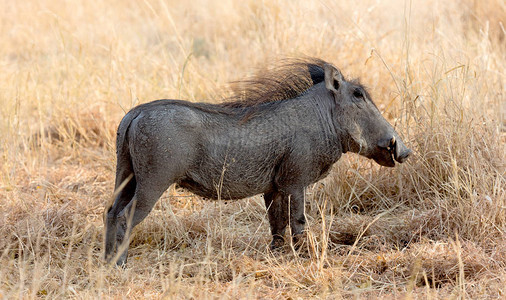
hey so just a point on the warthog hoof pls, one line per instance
(299, 240)
(277, 242)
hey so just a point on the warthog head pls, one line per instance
(366, 131)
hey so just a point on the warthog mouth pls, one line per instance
(384, 157)
(391, 159)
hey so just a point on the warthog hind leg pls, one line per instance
(139, 207)
(125, 190)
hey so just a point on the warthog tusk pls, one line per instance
(392, 144)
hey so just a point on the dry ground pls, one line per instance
(431, 228)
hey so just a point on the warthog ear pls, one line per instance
(333, 77)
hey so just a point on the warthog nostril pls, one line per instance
(404, 155)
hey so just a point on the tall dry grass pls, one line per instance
(433, 227)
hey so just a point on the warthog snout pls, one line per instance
(393, 150)
(400, 151)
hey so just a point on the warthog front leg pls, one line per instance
(297, 217)
(277, 210)
(281, 209)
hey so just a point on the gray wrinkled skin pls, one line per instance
(216, 152)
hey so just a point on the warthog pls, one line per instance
(282, 133)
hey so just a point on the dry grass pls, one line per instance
(431, 228)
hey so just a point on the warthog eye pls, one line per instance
(358, 94)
